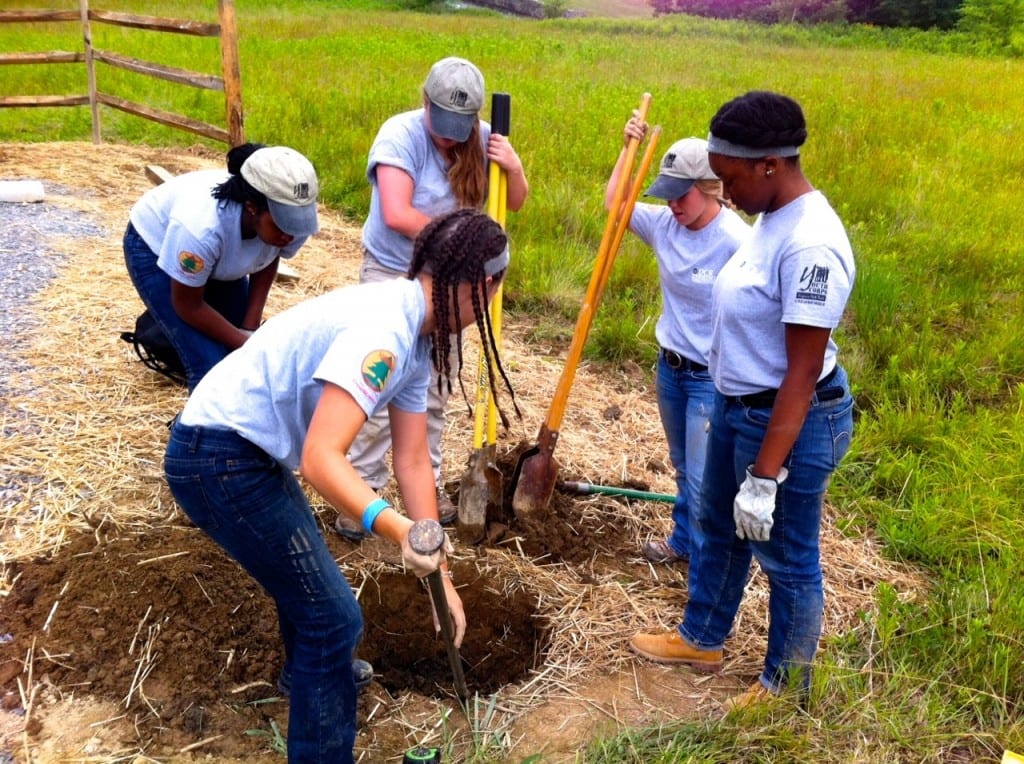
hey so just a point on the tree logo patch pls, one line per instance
(191, 263)
(377, 367)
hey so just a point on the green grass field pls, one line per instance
(918, 144)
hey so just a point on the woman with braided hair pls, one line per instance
(783, 415)
(294, 397)
(422, 163)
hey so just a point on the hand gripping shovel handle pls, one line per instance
(426, 537)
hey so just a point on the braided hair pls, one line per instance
(761, 119)
(454, 248)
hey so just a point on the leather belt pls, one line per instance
(676, 361)
(765, 399)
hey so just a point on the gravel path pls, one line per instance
(27, 264)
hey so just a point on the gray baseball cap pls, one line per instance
(455, 89)
(684, 163)
(289, 182)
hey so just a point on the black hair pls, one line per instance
(760, 119)
(454, 248)
(236, 188)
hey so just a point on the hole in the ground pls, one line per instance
(502, 644)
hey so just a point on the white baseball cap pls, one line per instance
(684, 163)
(455, 89)
(289, 182)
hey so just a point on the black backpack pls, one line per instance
(154, 349)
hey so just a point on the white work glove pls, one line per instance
(754, 505)
(422, 565)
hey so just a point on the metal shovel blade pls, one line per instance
(536, 475)
(474, 490)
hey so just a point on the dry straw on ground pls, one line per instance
(86, 443)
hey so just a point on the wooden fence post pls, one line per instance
(231, 71)
(90, 69)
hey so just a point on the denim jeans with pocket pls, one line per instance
(790, 557)
(685, 399)
(198, 352)
(255, 509)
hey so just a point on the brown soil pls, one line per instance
(126, 634)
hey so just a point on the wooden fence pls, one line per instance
(229, 82)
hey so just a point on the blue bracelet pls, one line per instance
(373, 509)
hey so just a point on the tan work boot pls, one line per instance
(755, 695)
(669, 647)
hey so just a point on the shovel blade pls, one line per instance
(536, 476)
(474, 490)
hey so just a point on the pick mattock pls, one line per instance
(537, 470)
(480, 488)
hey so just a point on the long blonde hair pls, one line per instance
(468, 172)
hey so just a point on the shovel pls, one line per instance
(537, 469)
(480, 486)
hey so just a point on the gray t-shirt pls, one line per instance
(796, 268)
(364, 338)
(198, 238)
(404, 142)
(688, 262)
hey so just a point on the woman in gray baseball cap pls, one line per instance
(423, 163)
(692, 237)
(203, 248)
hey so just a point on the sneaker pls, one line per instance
(362, 670)
(669, 647)
(348, 528)
(757, 694)
(660, 552)
(446, 511)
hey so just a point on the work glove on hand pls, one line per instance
(754, 505)
(422, 565)
(455, 608)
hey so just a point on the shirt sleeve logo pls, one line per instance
(191, 263)
(377, 367)
(813, 285)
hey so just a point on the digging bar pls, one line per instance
(426, 537)
(537, 469)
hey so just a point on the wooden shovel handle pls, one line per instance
(602, 267)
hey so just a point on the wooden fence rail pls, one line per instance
(228, 81)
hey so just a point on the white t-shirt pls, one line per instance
(688, 262)
(363, 338)
(198, 238)
(404, 142)
(796, 268)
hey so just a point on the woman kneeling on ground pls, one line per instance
(203, 248)
(295, 396)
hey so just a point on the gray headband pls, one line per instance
(725, 148)
(497, 264)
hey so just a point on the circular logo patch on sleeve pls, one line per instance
(191, 263)
(377, 367)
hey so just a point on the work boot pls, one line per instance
(659, 551)
(348, 528)
(669, 647)
(362, 670)
(755, 695)
(446, 511)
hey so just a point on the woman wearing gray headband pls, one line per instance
(783, 414)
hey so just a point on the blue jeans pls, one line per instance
(685, 399)
(255, 509)
(790, 557)
(198, 352)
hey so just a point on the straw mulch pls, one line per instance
(88, 429)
